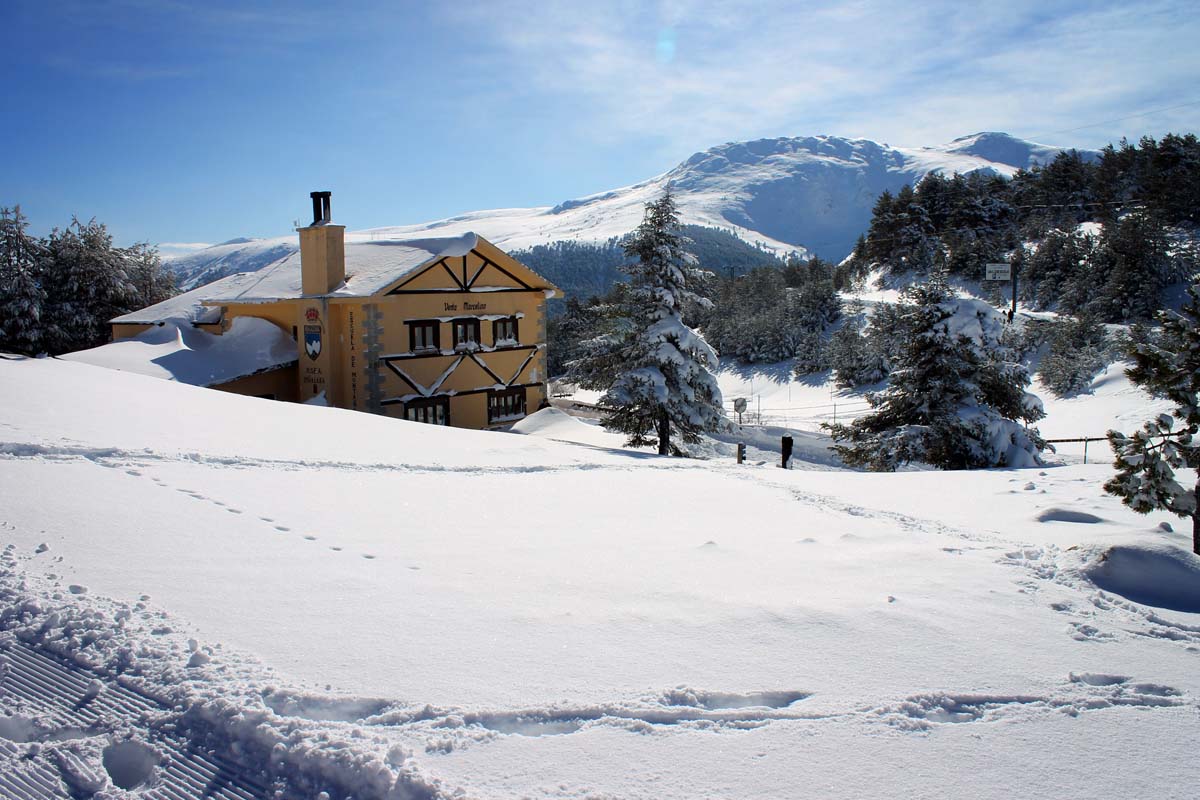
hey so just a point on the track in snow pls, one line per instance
(71, 736)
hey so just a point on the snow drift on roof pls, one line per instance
(176, 351)
(370, 266)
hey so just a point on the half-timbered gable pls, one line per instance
(473, 331)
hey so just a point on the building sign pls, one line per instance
(312, 376)
(465, 306)
(312, 333)
(998, 272)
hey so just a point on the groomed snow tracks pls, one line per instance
(70, 703)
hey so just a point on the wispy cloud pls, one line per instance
(169, 250)
(909, 72)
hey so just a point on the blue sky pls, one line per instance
(183, 122)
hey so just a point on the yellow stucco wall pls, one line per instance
(279, 384)
(122, 330)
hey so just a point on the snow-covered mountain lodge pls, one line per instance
(450, 331)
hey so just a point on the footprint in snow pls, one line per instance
(234, 510)
(266, 519)
(336, 549)
(282, 528)
(311, 538)
(368, 556)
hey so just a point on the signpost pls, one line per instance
(1003, 273)
(739, 405)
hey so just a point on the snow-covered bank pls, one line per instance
(378, 604)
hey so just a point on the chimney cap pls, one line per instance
(322, 214)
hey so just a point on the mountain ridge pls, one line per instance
(809, 195)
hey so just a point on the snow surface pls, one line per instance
(318, 600)
(176, 351)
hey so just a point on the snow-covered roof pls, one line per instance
(370, 267)
(176, 351)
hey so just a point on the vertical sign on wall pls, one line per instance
(353, 347)
(315, 357)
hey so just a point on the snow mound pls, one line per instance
(1068, 515)
(176, 351)
(1153, 575)
(548, 421)
(553, 423)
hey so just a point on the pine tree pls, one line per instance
(21, 294)
(1132, 256)
(86, 285)
(953, 401)
(811, 355)
(1147, 462)
(151, 282)
(1077, 353)
(849, 357)
(664, 383)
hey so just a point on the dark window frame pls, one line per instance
(424, 410)
(472, 322)
(501, 407)
(516, 329)
(428, 325)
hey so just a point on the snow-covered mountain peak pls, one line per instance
(811, 194)
(1001, 148)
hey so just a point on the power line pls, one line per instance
(1119, 119)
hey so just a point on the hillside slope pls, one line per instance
(809, 195)
(295, 599)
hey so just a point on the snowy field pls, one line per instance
(212, 595)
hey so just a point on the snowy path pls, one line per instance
(66, 703)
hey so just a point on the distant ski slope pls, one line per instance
(809, 195)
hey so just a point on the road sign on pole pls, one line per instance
(1003, 273)
(997, 272)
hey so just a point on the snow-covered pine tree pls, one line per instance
(21, 293)
(859, 359)
(953, 401)
(152, 283)
(86, 285)
(1133, 256)
(811, 356)
(1147, 462)
(1078, 351)
(848, 355)
(665, 384)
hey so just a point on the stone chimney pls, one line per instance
(322, 249)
